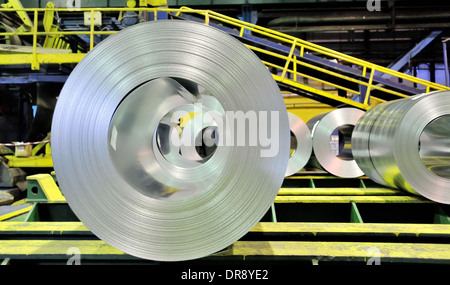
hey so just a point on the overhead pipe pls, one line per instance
(355, 18)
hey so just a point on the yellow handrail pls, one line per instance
(317, 48)
(297, 48)
(305, 46)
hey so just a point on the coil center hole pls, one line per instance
(341, 142)
(162, 140)
(293, 145)
(189, 136)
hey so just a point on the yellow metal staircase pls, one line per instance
(296, 65)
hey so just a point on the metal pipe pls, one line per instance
(364, 17)
(446, 69)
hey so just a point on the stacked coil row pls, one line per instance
(314, 146)
(402, 144)
(405, 144)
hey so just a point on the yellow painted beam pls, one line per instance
(144, 3)
(51, 227)
(334, 250)
(56, 247)
(18, 49)
(337, 191)
(309, 249)
(348, 199)
(346, 250)
(327, 176)
(17, 5)
(49, 187)
(49, 15)
(15, 213)
(59, 228)
(8, 59)
(367, 228)
(31, 161)
(156, 2)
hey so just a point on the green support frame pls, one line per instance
(314, 219)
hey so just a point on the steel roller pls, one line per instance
(405, 144)
(112, 151)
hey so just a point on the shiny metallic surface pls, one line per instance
(199, 137)
(322, 127)
(110, 133)
(140, 147)
(381, 144)
(301, 145)
(360, 142)
(434, 147)
(406, 144)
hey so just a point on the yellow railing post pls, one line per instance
(34, 56)
(288, 60)
(241, 33)
(295, 68)
(48, 16)
(91, 44)
(207, 18)
(369, 86)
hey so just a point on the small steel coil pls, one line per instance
(301, 145)
(338, 161)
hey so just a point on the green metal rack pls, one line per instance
(315, 219)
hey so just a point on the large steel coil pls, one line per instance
(339, 161)
(117, 165)
(405, 144)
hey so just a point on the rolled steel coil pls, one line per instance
(301, 145)
(111, 145)
(340, 122)
(405, 144)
